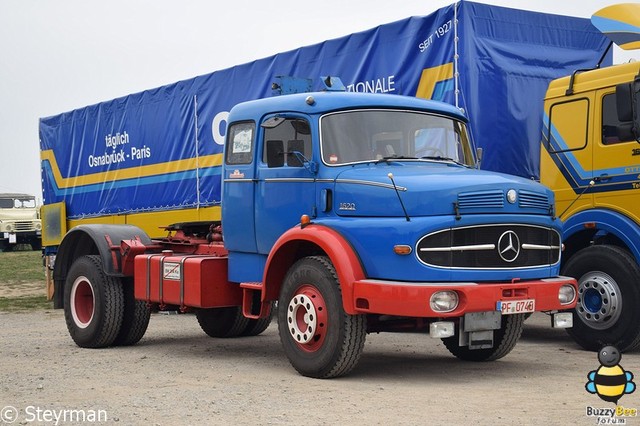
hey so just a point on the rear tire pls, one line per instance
(222, 322)
(93, 304)
(504, 340)
(135, 318)
(608, 309)
(318, 337)
(257, 326)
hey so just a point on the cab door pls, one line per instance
(567, 155)
(616, 161)
(238, 187)
(285, 177)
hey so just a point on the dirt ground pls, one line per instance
(178, 375)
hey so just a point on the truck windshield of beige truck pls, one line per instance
(17, 202)
(389, 135)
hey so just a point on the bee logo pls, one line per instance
(610, 381)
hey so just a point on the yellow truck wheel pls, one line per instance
(607, 312)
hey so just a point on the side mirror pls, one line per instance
(624, 102)
(275, 153)
(628, 110)
(293, 147)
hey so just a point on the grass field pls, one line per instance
(22, 282)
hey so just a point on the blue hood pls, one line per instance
(431, 189)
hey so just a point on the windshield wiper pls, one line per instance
(440, 158)
(394, 157)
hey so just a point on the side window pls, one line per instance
(569, 126)
(240, 142)
(610, 122)
(288, 137)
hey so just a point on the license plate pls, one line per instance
(516, 306)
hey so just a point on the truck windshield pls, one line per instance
(17, 203)
(382, 135)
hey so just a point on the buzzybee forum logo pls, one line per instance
(610, 382)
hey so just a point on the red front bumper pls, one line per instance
(412, 299)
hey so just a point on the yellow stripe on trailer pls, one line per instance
(128, 173)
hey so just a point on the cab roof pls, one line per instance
(15, 195)
(325, 102)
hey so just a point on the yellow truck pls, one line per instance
(590, 158)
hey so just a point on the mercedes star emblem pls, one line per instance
(509, 246)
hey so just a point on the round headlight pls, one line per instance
(512, 196)
(444, 301)
(566, 294)
(38, 226)
(8, 227)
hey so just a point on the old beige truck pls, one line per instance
(19, 221)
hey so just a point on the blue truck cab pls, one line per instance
(377, 198)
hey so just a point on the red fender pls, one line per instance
(285, 252)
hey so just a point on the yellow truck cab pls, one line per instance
(590, 158)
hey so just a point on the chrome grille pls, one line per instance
(504, 246)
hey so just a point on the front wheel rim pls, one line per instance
(82, 302)
(599, 300)
(307, 318)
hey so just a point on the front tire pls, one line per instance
(504, 340)
(318, 337)
(93, 304)
(608, 308)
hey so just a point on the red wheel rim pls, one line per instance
(307, 318)
(82, 302)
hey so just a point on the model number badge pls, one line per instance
(347, 206)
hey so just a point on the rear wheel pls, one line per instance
(318, 337)
(608, 308)
(222, 322)
(135, 318)
(257, 326)
(93, 304)
(504, 340)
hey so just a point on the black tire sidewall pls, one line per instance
(136, 316)
(99, 332)
(311, 272)
(618, 264)
(222, 322)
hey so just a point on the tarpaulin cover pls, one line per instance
(161, 149)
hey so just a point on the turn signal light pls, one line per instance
(402, 250)
(304, 220)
